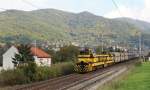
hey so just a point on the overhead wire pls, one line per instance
(119, 11)
(18, 35)
(115, 4)
(3, 9)
(141, 40)
(31, 4)
(121, 14)
(128, 25)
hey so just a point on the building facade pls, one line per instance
(41, 57)
(7, 58)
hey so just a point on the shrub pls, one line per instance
(138, 63)
(60, 69)
(32, 73)
(12, 77)
(43, 73)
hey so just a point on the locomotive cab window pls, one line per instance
(84, 52)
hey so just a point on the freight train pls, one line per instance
(90, 61)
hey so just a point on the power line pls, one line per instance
(121, 14)
(128, 25)
(35, 6)
(29, 3)
(115, 4)
(3, 9)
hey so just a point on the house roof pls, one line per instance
(39, 52)
(5, 48)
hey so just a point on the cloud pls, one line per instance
(26, 5)
(121, 12)
(142, 14)
(15, 4)
(145, 13)
(105, 9)
(75, 6)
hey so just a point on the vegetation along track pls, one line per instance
(75, 81)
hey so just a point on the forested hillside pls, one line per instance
(55, 25)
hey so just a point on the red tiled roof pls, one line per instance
(39, 52)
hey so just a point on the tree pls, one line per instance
(24, 55)
(25, 61)
(66, 53)
(99, 50)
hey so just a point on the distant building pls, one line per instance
(148, 57)
(7, 58)
(41, 57)
(75, 44)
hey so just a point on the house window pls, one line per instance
(41, 59)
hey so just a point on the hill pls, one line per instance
(52, 25)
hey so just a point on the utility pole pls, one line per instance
(35, 45)
(102, 42)
(140, 46)
(110, 42)
(124, 46)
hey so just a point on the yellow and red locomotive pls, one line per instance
(90, 61)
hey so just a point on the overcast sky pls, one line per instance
(137, 9)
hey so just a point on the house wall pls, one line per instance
(7, 58)
(1, 68)
(149, 58)
(42, 61)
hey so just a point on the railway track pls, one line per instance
(39, 85)
(82, 84)
(87, 85)
(75, 81)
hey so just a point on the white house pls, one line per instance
(41, 57)
(7, 58)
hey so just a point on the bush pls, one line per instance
(43, 73)
(32, 73)
(61, 69)
(139, 63)
(12, 77)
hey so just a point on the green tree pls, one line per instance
(25, 61)
(23, 56)
(66, 53)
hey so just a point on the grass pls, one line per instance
(136, 79)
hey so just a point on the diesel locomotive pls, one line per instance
(90, 61)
